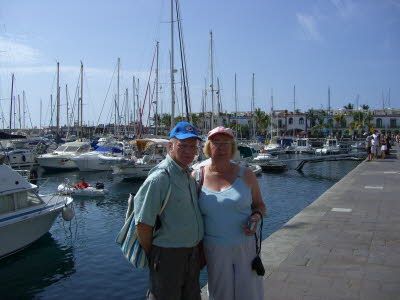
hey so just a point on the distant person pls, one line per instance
(388, 143)
(82, 184)
(384, 146)
(375, 144)
(368, 145)
(231, 204)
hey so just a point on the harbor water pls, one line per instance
(80, 259)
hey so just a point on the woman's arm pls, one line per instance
(257, 206)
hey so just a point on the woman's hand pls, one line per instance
(253, 222)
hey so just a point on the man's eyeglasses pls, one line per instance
(189, 147)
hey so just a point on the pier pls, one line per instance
(345, 245)
(319, 158)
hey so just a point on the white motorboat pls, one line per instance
(273, 146)
(25, 215)
(263, 156)
(91, 191)
(301, 145)
(18, 158)
(150, 153)
(61, 158)
(99, 159)
(331, 146)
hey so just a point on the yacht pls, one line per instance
(301, 145)
(331, 146)
(25, 215)
(149, 153)
(99, 159)
(61, 158)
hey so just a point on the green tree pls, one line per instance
(312, 116)
(340, 120)
(262, 121)
(319, 125)
(349, 106)
(166, 120)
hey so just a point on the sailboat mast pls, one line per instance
(272, 112)
(117, 106)
(81, 104)
(11, 100)
(134, 107)
(236, 108)
(156, 115)
(19, 111)
(219, 103)
(58, 100)
(252, 107)
(66, 100)
(294, 106)
(23, 109)
(172, 67)
(212, 80)
(40, 116)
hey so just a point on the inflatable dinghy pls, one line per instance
(90, 191)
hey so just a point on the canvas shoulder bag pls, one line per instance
(128, 238)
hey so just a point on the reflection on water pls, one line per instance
(30, 271)
(82, 258)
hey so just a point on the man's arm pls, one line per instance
(145, 234)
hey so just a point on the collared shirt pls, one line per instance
(181, 221)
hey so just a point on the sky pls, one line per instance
(351, 46)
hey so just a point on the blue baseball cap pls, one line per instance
(184, 130)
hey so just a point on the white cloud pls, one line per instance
(309, 27)
(14, 52)
(345, 8)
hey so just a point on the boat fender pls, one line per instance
(67, 213)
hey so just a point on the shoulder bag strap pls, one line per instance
(201, 181)
(166, 198)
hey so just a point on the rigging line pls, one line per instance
(182, 60)
(147, 89)
(105, 99)
(151, 105)
(29, 114)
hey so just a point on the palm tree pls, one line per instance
(340, 120)
(349, 106)
(365, 107)
(319, 125)
(262, 121)
(166, 120)
(312, 116)
(361, 121)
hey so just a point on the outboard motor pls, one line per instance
(99, 185)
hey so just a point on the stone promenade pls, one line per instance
(345, 245)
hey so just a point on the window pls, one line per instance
(290, 120)
(279, 123)
(301, 121)
(393, 123)
(6, 204)
(379, 123)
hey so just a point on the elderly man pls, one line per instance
(172, 250)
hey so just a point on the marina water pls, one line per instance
(80, 259)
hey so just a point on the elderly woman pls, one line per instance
(231, 204)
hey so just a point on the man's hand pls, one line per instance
(145, 234)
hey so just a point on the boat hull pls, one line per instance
(57, 163)
(16, 236)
